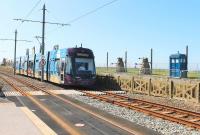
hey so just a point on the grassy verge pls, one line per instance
(135, 71)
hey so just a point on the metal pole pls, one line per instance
(15, 52)
(187, 58)
(126, 61)
(27, 54)
(151, 60)
(43, 43)
(187, 55)
(107, 61)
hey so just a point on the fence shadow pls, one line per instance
(107, 83)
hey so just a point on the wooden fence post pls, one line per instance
(149, 87)
(118, 79)
(132, 84)
(171, 89)
(197, 93)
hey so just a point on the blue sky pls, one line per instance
(167, 26)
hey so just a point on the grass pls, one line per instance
(135, 71)
(131, 71)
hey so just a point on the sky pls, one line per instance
(135, 26)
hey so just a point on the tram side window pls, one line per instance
(52, 67)
(62, 66)
(30, 64)
(23, 64)
(68, 66)
(36, 65)
(58, 66)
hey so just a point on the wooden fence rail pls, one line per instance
(180, 89)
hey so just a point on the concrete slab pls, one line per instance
(13, 121)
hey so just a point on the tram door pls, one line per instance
(62, 70)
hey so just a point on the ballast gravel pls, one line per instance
(159, 125)
(181, 104)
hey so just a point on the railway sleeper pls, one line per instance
(181, 116)
(146, 106)
(195, 120)
(122, 100)
(135, 104)
(156, 109)
(168, 112)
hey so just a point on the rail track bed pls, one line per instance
(185, 117)
(66, 115)
(163, 125)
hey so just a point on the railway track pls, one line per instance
(188, 118)
(66, 126)
(69, 129)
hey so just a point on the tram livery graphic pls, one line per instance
(68, 66)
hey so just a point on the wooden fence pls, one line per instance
(178, 89)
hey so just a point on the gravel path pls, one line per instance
(159, 125)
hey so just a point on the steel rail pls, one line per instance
(131, 105)
(121, 126)
(80, 107)
(66, 126)
(148, 111)
(128, 105)
(155, 104)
